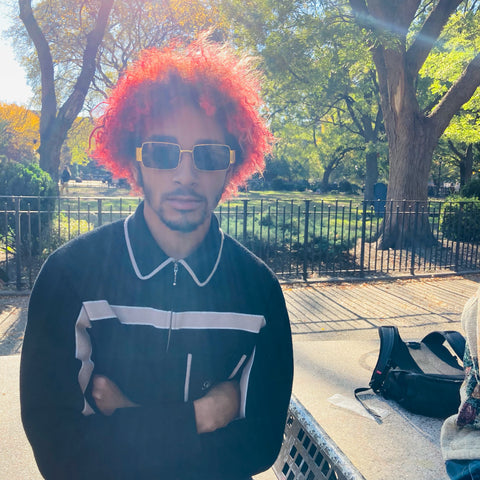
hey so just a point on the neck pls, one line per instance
(174, 243)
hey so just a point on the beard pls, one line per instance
(185, 221)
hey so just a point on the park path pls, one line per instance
(323, 308)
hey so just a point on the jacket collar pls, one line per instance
(147, 258)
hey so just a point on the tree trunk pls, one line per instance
(51, 146)
(411, 152)
(371, 176)
(326, 178)
(466, 166)
(54, 125)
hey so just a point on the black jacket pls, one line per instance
(111, 302)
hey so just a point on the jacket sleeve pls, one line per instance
(133, 443)
(251, 445)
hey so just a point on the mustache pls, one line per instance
(184, 192)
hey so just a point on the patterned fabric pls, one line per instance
(460, 436)
(469, 412)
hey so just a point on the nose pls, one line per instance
(185, 173)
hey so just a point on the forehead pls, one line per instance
(186, 125)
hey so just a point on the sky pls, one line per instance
(13, 85)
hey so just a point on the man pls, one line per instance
(158, 347)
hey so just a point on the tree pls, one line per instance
(19, 133)
(294, 158)
(55, 121)
(141, 24)
(319, 74)
(134, 25)
(461, 138)
(465, 158)
(401, 35)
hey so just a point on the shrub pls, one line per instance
(19, 179)
(461, 220)
(347, 187)
(69, 229)
(471, 189)
(25, 180)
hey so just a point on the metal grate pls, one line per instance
(308, 453)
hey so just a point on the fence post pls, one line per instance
(305, 239)
(362, 243)
(415, 227)
(245, 205)
(461, 206)
(18, 244)
(99, 211)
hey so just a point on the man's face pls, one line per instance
(184, 198)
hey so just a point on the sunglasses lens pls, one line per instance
(211, 157)
(160, 155)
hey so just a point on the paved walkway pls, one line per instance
(336, 346)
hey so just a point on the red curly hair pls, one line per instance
(211, 77)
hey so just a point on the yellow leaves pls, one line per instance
(21, 120)
(20, 132)
(77, 144)
(194, 15)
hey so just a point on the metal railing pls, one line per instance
(308, 453)
(299, 240)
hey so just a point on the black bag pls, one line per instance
(423, 377)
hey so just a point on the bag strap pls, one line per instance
(387, 335)
(374, 414)
(455, 339)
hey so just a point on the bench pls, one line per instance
(308, 453)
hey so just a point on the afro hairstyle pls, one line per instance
(207, 75)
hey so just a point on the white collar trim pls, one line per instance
(169, 260)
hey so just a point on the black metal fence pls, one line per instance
(299, 240)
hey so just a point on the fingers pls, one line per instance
(108, 397)
(218, 407)
(101, 393)
(99, 386)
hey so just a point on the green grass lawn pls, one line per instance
(102, 190)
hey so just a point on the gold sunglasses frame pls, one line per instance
(138, 155)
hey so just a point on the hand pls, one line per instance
(218, 407)
(108, 397)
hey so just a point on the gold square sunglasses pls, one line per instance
(209, 157)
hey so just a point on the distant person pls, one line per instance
(158, 347)
(64, 179)
(460, 436)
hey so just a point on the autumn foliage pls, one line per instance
(19, 133)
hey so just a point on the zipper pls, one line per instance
(175, 271)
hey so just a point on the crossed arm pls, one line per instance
(213, 411)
